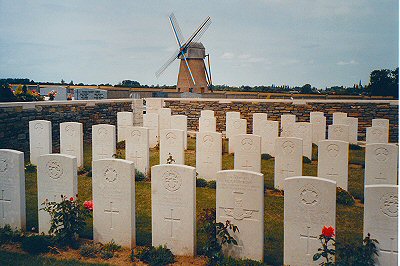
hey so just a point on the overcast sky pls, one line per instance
(320, 42)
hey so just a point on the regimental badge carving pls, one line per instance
(309, 196)
(208, 140)
(54, 169)
(333, 150)
(70, 130)
(172, 181)
(288, 147)
(247, 144)
(381, 154)
(207, 122)
(110, 174)
(136, 134)
(302, 128)
(171, 137)
(376, 132)
(338, 131)
(103, 132)
(39, 127)
(236, 124)
(389, 205)
(238, 212)
(3, 165)
(317, 120)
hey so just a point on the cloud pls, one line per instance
(227, 55)
(345, 63)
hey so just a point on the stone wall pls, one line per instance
(14, 119)
(364, 110)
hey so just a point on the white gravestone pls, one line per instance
(164, 119)
(40, 139)
(247, 152)
(171, 146)
(124, 120)
(302, 130)
(339, 118)
(381, 164)
(12, 189)
(352, 122)
(103, 141)
(381, 214)
(180, 122)
(71, 140)
(229, 122)
(333, 161)
(173, 205)
(288, 160)
(269, 131)
(380, 122)
(240, 199)
(153, 105)
(137, 148)
(114, 202)
(239, 126)
(137, 109)
(207, 124)
(57, 175)
(318, 121)
(338, 132)
(376, 135)
(208, 113)
(151, 122)
(258, 121)
(208, 154)
(309, 205)
(285, 120)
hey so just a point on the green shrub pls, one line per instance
(106, 254)
(121, 145)
(89, 174)
(7, 235)
(112, 246)
(265, 156)
(344, 197)
(90, 250)
(139, 176)
(201, 182)
(84, 169)
(355, 255)
(156, 256)
(212, 184)
(30, 168)
(306, 160)
(355, 147)
(239, 262)
(36, 244)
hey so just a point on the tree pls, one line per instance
(306, 89)
(384, 82)
(6, 94)
(62, 81)
(71, 82)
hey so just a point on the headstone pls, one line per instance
(338, 132)
(259, 120)
(247, 152)
(229, 122)
(114, 202)
(150, 120)
(352, 122)
(269, 131)
(240, 200)
(12, 189)
(173, 201)
(56, 175)
(171, 146)
(381, 164)
(164, 119)
(89, 94)
(61, 92)
(208, 154)
(137, 148)
(379, 122)
(208, 113)
(376, 135)
(239, 126)
(381, 221)
(318, 121)
(339, 118)
(153, 105)
(287, 119)
(333, 161)
(124, 121)
(309, 205)
(302, 130)
(71, 140)
(207, 124)
(103, 142)
(180, 122)
(137, 108)
(40, 141)
(288, 160)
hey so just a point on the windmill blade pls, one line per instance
(190, 71)
(205, 25)
(177, 30)
(202, 31)
(168, 63)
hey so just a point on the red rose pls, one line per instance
(328, 231)
(71, 199)
(88, 205)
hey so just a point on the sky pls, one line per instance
(256, 42)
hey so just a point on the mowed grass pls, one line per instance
(349, 220)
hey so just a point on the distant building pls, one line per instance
(89, 94)
(61, 92)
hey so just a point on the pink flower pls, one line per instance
(88, 205)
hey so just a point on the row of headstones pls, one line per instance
(309, 204)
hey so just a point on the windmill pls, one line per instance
(194, 73)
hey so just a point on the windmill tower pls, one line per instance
(194, 73)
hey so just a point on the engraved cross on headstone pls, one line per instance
(246, 165)
(111, 212)
(308, 237)
(171, 219)
(391, 252)
(103, 152)
(136, 158)
(3, 200)
(208, 161)
(70, 148)
(332, 173)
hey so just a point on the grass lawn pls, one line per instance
(349, 219)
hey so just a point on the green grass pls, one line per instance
(349, 219)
